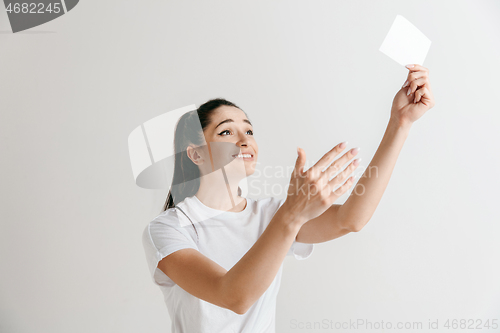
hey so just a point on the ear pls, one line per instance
(193, 154)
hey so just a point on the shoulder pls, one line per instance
(167, 225)
(166, 219)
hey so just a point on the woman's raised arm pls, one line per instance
(408, 106)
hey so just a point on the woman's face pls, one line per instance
(230, 140)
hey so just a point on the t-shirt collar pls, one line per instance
(199, 206)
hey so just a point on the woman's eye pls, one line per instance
(251, 132)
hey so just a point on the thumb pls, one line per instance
(299, 163)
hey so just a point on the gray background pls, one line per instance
(309, 74)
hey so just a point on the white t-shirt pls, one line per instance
(224, 237)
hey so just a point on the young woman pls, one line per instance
(217, 256)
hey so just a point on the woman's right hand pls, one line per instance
(311, 193)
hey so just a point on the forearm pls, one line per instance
(366, 195)
(252, 275)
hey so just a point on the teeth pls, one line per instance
(243, 156)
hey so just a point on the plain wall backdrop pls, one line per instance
(309, 74)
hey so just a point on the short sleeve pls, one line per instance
(299, 250)
(161, 237)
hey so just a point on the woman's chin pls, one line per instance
(238, 163)
(249, 170)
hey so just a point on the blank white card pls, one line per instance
(405, 44)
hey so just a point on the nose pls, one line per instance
(241, 145)
(242, 141)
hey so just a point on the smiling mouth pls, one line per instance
(243, 156)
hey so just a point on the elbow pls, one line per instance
(355, 227)
(233, 300)
(239, 307)
(236, 303)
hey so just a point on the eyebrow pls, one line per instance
(232, 121)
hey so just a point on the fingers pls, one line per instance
(341, 177)
(317, 169)
(342, 189)
(414, 85)
(412, 77)
(338, 164)
(321, 180)
(423, 95)
(417, 68)
(418, 95)
(417, 77)
(320, 187)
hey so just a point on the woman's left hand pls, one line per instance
(407, 108)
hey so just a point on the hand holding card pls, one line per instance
(411, 103)
(406, 45)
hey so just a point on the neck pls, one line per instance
(219, 192)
